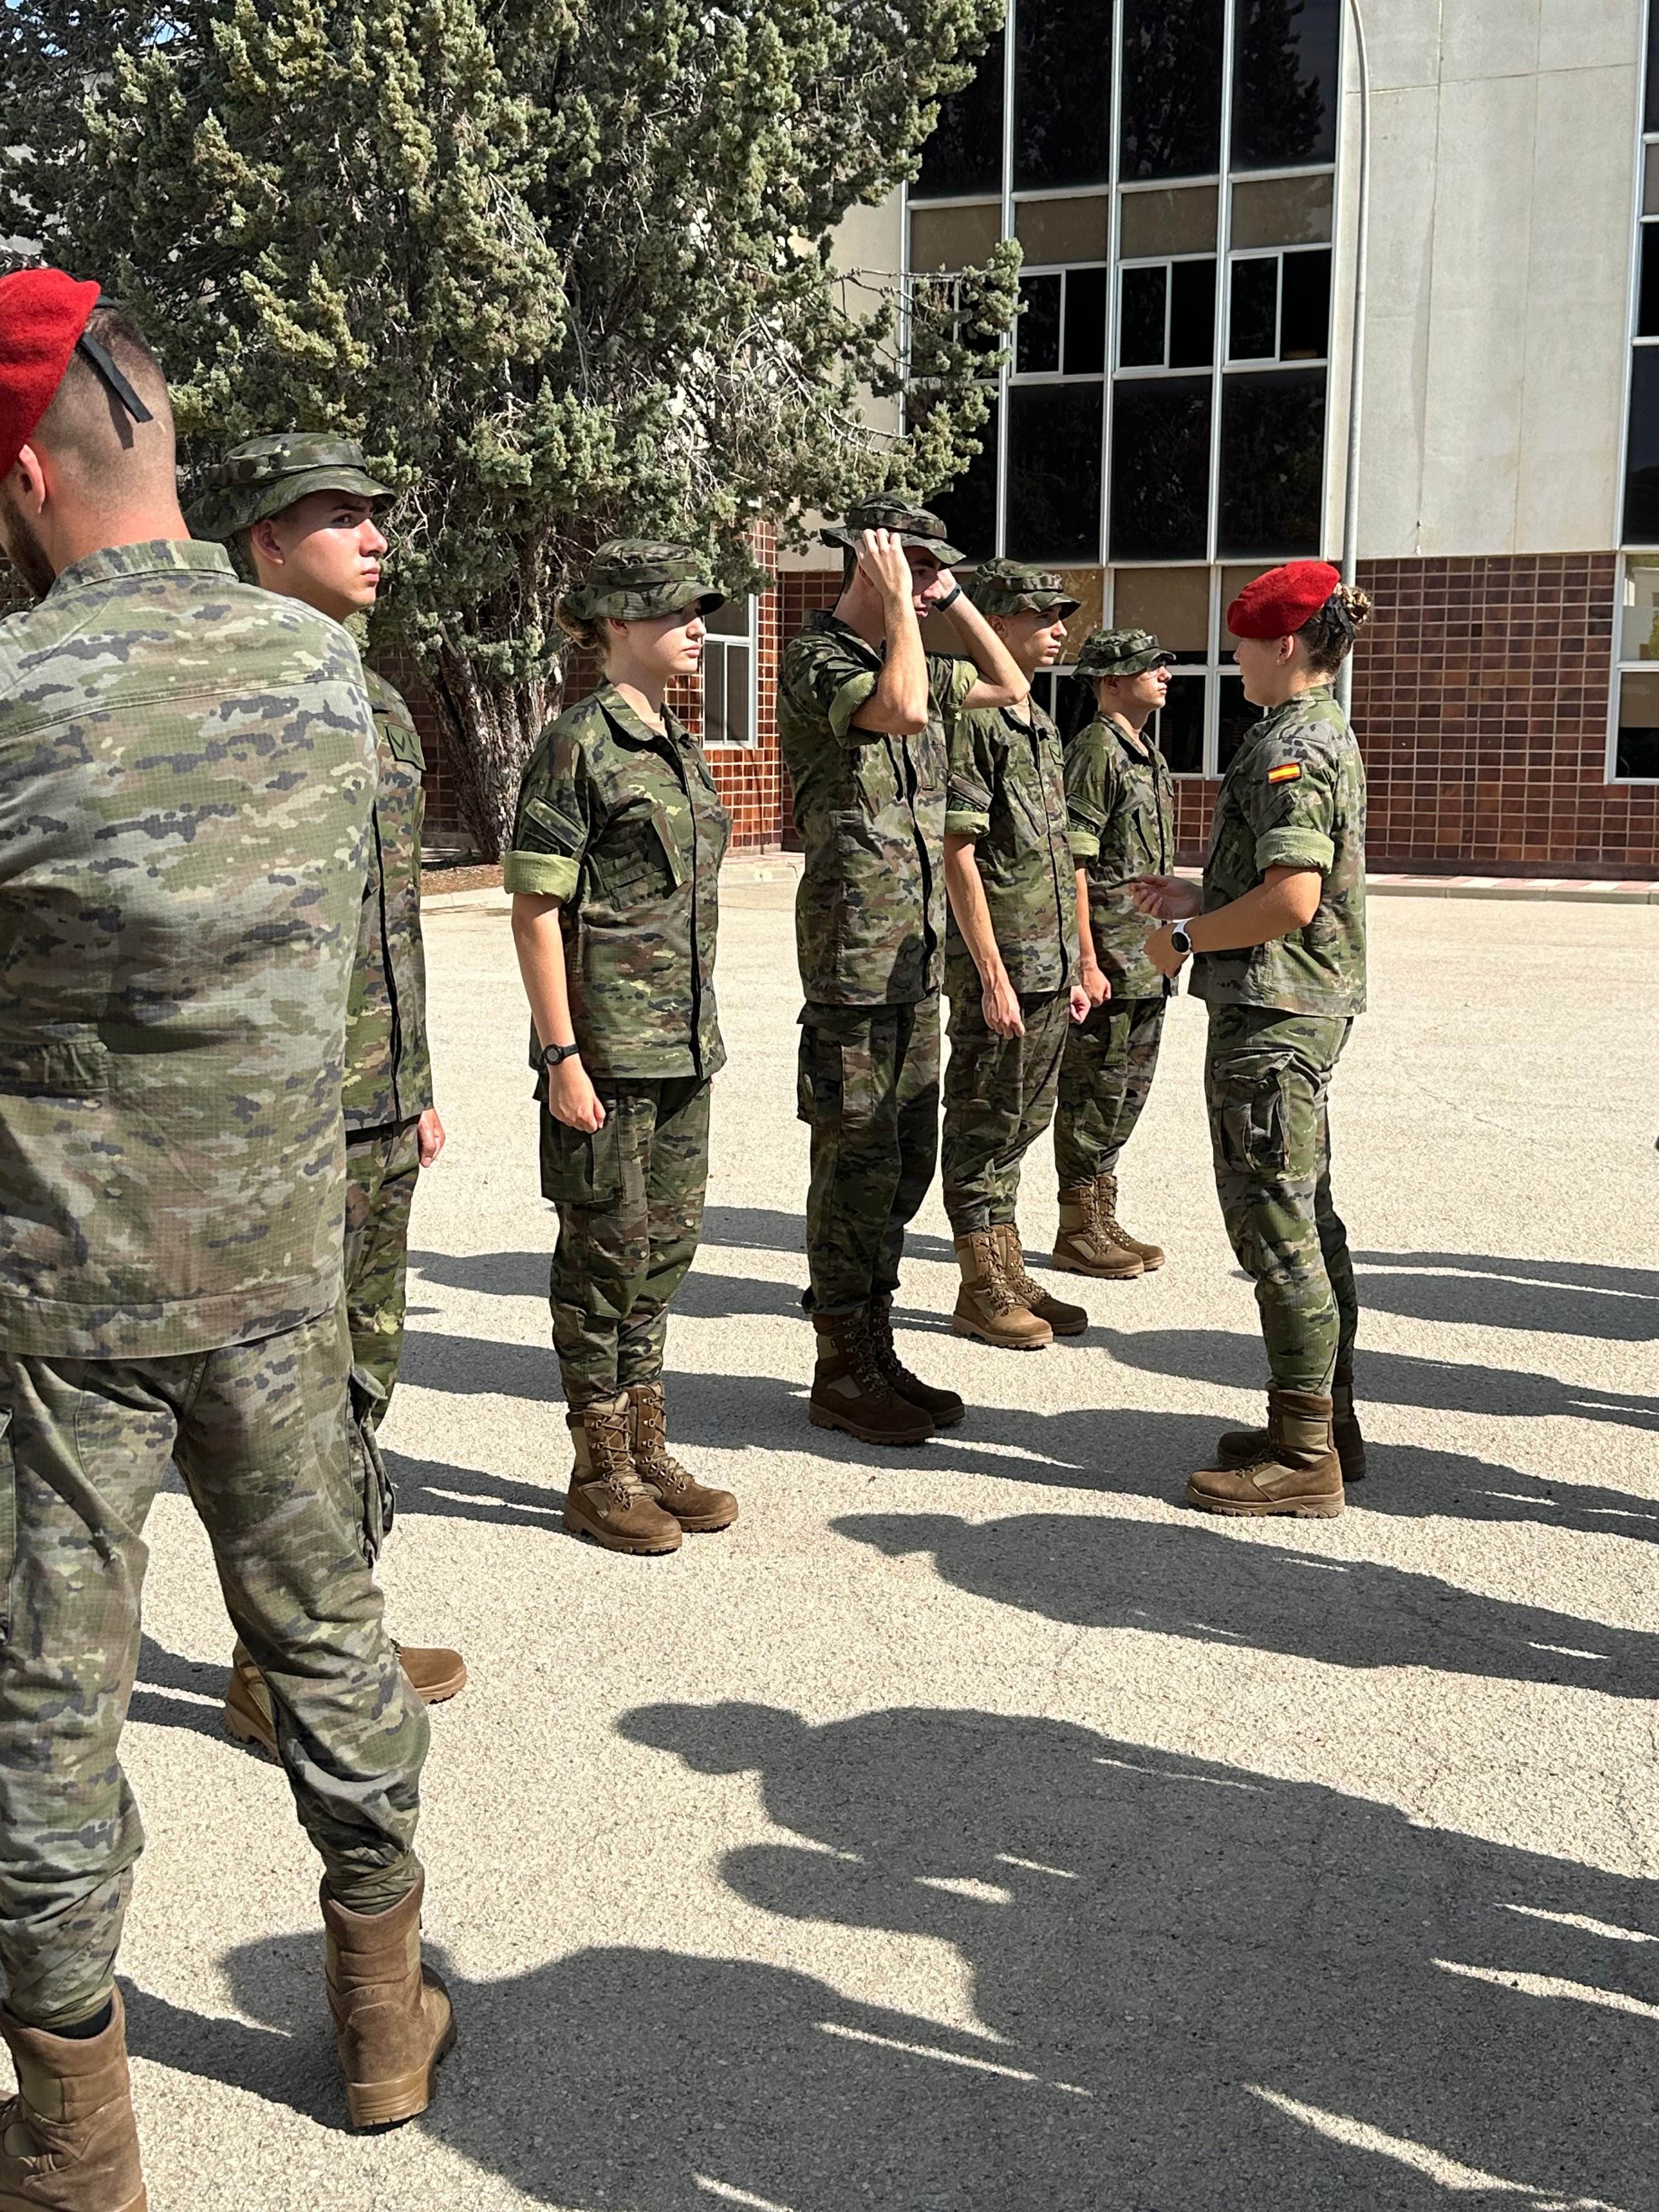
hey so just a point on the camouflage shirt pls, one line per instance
(1006, 790)
(1122, 814)
(388, 1075)
(626, 828)
(186, 768)
(869, 912)
(1294, 798)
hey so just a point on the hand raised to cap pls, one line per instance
(881, 558)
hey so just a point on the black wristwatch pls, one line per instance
(551, 1055)
(1181, 942)
(950, 599)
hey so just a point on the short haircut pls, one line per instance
(88, 430)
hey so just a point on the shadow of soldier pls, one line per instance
(1191, 1985)
(1560, 1298)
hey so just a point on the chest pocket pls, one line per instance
(638, 858)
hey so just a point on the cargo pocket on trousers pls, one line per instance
(581, 1167)
(8, 1523)
(1252, 1115)
(379, 1506)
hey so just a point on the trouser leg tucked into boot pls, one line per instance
(606, 1500)
(1297, 1472)
(986, 1307)
(68, 2139)
(1084, 1246)
(1065, 1319)
(392, 2018)
(851, 1392)
(1150, 1255)
(693, 1504)
(1243, 1447)
(943, 1408)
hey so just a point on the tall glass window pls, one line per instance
(728, 674)
(964, 154)
(1172, 64)
(1287, 90)
(1063, 95)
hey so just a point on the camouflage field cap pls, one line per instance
(1013, 587)
(912, 526)
(632, 578)
(1120, 652)
(262, 476)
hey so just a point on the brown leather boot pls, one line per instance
(1065, 1319)
(850, 1392)
(1150, 1255)
(692, 1504)
(392, 2017)
(986, 1307)
(1298, 1472)
(68, 2139)
(1242, 1447)
(1083, 1246)
(435, 1673)
(943, 1408)
(605, 1499)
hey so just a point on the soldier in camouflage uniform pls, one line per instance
(1010, 965)
(1122, 817)
(1279, 946)
(299, 507)
(186, 774)
(862, 714)
(615, 873)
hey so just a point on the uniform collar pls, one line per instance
(634, 726)
(1274, 715)
(826, 618)
(153, 556)
(1141, 748)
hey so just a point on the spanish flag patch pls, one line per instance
(1290, 773)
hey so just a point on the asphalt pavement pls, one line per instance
(974, 1827)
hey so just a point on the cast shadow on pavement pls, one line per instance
(173, 1692)
(1200, 1580)
(1557, 1297)
(1168, 1981)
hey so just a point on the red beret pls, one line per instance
(1278, 604)
(42, 315)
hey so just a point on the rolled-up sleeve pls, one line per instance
(1090, 792)
(972, 775)
(1294, 805)
(549, 832)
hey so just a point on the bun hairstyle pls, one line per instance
(587, 636)
(1328, 634)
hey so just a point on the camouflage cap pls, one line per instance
(912, 526)
(262, 476)
(1013, 587)
(1120, 652)
(632, 578)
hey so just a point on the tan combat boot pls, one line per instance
(1242, 1447)
(943, 1408)
(1083, 1246)
(1150, 1255)
(68, 2139)
(1065, 1319)
(986, 1307)
(692, 1504)
(605, 1500)
(392, 2017)
(431, 1670)
(1297, 1472)
(850, 1392)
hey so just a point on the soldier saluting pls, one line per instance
(186, 773)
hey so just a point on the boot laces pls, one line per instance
(651, 1454)
(613, 1460)
(1103, 1216)
(864, 1354)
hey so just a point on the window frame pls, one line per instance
(1065, 270)
(1646, 140)
(727, 641)
(1644, 556)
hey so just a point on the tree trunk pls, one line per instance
(491, 730)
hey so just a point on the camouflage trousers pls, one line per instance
(1104, 1082)
(382, 1168)
(1267, 1075)
(630, 1199)
(259, 1434)
(999, 1099)
(868, 1091)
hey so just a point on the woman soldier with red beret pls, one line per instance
(1276, 938)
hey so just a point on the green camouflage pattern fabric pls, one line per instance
(187, 768)
(870, 808)
(259, 1434)
(1013, 588)
(1266, 1081)
(263, 476)
(999, 1099)
(633, 578)
(1119, 653)
(1105, 1081)
(388, 1060)
(1121, 806)
(1293, 797)
(912, 526)
(1005, 789)
(625, 828)
(867, 1088)
(629, 1199)
(382, 1168)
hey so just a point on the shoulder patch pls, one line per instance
(1287, 772)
